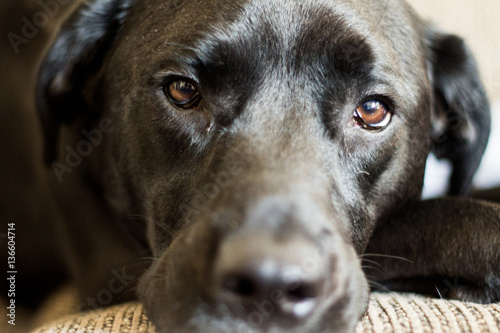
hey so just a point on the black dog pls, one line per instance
(252, 148)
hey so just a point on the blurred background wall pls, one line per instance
(478, 22)
(25, 198)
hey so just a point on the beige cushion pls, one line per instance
(129, 317)
(387, 313)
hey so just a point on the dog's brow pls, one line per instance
(182, 46)
(296, 39)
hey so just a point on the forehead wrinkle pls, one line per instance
(282, 33)
(282, 18)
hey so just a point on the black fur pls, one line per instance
(279, 83)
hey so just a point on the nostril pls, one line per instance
(239, 285)
(302, 291)
(244, 286)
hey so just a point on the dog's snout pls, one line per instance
(289, 275)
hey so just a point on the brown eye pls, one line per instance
(183, 94)
(372, 115)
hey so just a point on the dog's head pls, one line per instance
(262, 141)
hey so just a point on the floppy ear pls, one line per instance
(461, 119)
(71, 62)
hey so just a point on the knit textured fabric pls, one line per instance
(392, 312)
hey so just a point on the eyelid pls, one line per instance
(384, 99)
(163, 77)
(173, 78)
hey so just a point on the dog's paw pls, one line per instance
(446, 288)
(487, 294)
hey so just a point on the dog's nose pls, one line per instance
(284, 278)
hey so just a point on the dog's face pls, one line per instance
(261, 141)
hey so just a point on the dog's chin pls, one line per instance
(178, 295)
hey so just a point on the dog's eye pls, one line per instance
(183, 94)
(372, 115)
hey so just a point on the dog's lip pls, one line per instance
(301, 309)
